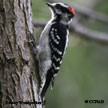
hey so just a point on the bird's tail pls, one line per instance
(49, 77)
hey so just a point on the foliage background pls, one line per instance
(84, 71)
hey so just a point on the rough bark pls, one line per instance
(19, 79)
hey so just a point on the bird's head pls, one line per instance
(64, 12)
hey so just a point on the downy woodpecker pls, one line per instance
(53, 43)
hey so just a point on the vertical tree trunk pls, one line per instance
(18, 75)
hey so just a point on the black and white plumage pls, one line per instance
(58, 39)
(53, 43)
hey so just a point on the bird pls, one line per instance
(53, 43)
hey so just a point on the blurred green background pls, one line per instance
(84, 71)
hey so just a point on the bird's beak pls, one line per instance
(50, 5)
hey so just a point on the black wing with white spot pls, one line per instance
(58, 37)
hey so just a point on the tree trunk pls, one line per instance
(19, 79)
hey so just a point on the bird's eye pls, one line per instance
(58, 6)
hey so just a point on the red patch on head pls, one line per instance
(72, 10)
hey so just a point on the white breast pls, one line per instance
(44, 41)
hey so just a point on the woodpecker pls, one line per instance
(53, 43)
